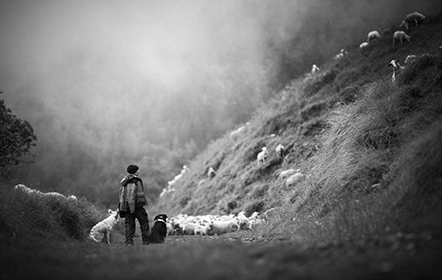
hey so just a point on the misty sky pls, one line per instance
(102, 72)
(72, 65)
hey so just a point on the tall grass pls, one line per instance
(380, 165)
(28, 218)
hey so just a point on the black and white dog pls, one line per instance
(159, 230)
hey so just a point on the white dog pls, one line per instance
(105, 227)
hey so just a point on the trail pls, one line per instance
(230, 256)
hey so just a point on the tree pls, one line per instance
(16, 140)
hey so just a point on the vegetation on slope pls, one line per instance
(348, 127)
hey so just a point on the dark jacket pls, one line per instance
(131, 194)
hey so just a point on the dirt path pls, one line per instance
(228, 257)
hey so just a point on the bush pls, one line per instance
(27, 216)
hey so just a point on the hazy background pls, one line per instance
(109, 83)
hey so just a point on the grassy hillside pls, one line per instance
(348, 128)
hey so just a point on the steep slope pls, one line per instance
(348, 127)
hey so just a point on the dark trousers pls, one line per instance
(141, 215)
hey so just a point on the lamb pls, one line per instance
(372, 35)
(105, 227)
(211, 173)
(401, 36)
(363, 45)
(294, 179)
(280, 150)
(415, 18)
(315, 69)
(396, 68)
(262, 156)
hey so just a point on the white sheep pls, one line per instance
(410, 58)
(234, 134)
(341, 54)
(287, 173)
(396, 68)
(372, 35)
(189, 228)
(415, 18)
(211, 172)
(401, 36)
(105, 227)
(262, 156)
(201, 230)
(294, 179)
(72, 197)
(221, 227)
(363, 45)
(280, 150)
(315, 69)
(170, 229)
(243, 221)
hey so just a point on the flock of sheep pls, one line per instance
(412, 19)
(399, 35)
(184, 224)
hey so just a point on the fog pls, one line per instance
(109, 83)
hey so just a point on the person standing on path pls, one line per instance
(131, 205)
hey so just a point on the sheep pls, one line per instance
(280, 150)
(255, 215)
(396, 68)
(341, 54)
(401, 36)
(201, 230)
(243, 221)
(189, 228)
(373, 35)
(294, 179)
(170, 228)
(315, 69)
(262, 156)
(363, 45)
(415, 17)
(105, 227)
(287, 173)
(72, 197)
(410, 58)
(234, 134)
(221, 227)
(211, 173)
